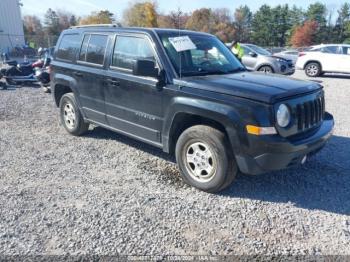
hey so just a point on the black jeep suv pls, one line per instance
(186, 93)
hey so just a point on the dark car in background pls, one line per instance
(186, 93)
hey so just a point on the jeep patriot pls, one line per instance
(186, 93)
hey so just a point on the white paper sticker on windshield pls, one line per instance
(182, 43)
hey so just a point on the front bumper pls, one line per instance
(280, 153)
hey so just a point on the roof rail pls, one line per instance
(97, 25)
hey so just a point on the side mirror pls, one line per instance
(252, 54)
(145, 68)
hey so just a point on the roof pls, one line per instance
(323, 45)
(136, 29)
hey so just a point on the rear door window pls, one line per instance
(93, 49)
(129, 49)
(331, 49)
(82, 55)
(68, 47)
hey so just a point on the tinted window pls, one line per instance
(346, 50)
(68, 47)
(330, 49)
(292, 53)
(246, 50)
(82, 55)
(129, 49)
(96, 49)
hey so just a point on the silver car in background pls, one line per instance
(289, 55)
(259, 59)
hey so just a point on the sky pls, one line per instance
(84, 7)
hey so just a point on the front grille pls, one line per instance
(310, 114)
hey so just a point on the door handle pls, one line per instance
(78, 74)
(113, 82)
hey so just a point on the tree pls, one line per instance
(217, 22)
(243, 23)
(304, 35)
(101, 17)
(32, 24)
(141, 15)
(281, 24)
(64, 19)
(262, 24)
(175, 19)
(51, 22)
(73, 20)
(201, 20)
(317, 12)
(296, 19)
(342, 22)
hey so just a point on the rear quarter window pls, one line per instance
(68, 47)
(93, 49)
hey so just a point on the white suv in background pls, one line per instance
(321, 59)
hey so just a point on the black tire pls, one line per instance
(266, 69)
(221, 160)
(71, 117)
(313, 69)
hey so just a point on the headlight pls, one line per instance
(283, 116)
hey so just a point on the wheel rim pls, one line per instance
(266, 69)
(312, 70)
(69, 115)
(200, 162)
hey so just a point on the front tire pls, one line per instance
(71, 116)
(266, 69)
(205, 159)
(313, 69)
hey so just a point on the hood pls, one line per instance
(282, 58)
(251, 85)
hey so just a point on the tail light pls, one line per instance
(301, 54)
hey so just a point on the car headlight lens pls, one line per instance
(283, 116)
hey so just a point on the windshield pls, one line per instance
(199, 55)
(259, 50)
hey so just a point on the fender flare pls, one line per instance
(64, 80)
(221, 113)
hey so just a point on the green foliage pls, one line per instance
(262, 26)
(243, 23)
(317, 12)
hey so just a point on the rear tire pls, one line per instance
(313, 69)
(266, 69)
(205, 159)
(71, 116)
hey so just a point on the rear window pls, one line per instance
(346, 50)
(68, 47)
(93, 49)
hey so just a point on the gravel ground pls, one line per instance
(106, 194)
